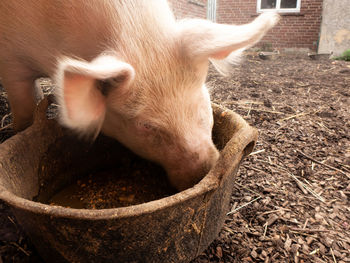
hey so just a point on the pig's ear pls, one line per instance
(206, 40)
(83, 89)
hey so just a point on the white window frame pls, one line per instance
(211, 10)
(278, 8)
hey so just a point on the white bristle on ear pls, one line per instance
(225, 66)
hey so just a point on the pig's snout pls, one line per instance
(190, 169)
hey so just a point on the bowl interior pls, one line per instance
(100, 175)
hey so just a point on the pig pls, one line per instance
(126, 68)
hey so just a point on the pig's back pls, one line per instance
(39, 31)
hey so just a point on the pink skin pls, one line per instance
(129, 70)
(184, 149)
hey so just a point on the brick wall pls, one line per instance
(299, 30)
(189, 8)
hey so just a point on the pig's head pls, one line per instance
(153, 99)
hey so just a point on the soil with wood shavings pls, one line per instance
(291, 200)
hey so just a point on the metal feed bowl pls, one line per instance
(177, 228)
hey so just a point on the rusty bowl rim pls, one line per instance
(209, 182)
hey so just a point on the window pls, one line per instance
(282, 6)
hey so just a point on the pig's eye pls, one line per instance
(144, 126)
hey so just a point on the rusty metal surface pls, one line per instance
(173, 229)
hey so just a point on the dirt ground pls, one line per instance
(291, 200)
